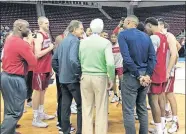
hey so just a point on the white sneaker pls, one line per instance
(44, 116)
(29, 104)
(39, 123)
(71, 131)
(73, 110)
(174, 127)
(115, 99)
(58, 127)
(153, 131)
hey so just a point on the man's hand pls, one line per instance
(110, 84)
(51, 46)
(145, 80)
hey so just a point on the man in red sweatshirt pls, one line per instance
(16, 58)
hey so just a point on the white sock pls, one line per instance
(159, 128)
(175, 118)
(41, 108)
(163, 121)
(35, 113)
(167, 108)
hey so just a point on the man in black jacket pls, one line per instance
(66, 63)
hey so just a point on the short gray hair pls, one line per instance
(73, 25)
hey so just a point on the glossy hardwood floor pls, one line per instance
(115, 116)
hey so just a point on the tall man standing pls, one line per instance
(156, 92)
(41, 74)
(15, 67)
(66, 62)
(172, 56)
(97, 62)
(139, 60)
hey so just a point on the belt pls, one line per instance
(22, 76)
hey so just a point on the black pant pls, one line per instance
(14, 93)
(59, 100)
(29, 86)
(70, 91)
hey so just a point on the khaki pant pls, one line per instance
(94, 93)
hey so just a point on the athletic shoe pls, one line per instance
(71, 131)
(174, 127)
(60, 131)
(115, 99)
(152, 122)
(44, 116)
(38, 123)
(58, 127)
(29, 104)
(153, 131)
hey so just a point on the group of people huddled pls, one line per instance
(142, 55)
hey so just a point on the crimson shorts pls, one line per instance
(157, 88)
(119, 71)
(40, 81)
(169, 87)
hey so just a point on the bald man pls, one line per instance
(139, 60)
(15, 64)
(42, 72)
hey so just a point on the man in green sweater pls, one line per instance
(98, 72)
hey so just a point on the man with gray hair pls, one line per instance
(98, 72)
(66, 62)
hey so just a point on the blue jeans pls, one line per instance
(133, 94)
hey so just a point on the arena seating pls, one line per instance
(11, 12)
(115, 12)
(173, 15)
(60, 16)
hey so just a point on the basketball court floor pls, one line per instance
(115, 113)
